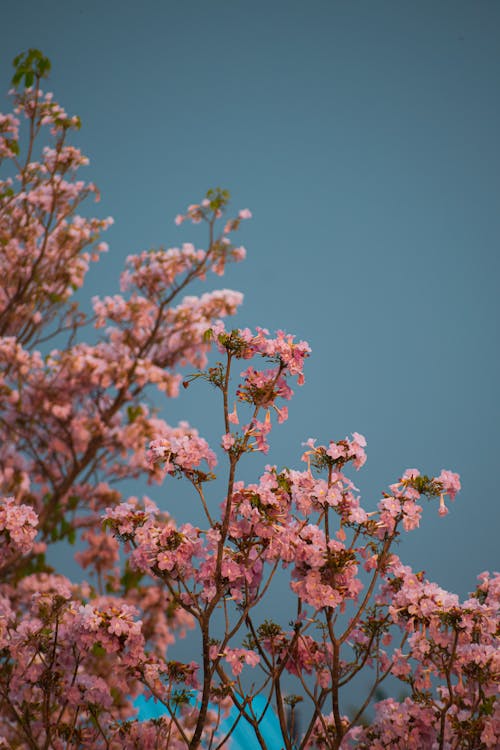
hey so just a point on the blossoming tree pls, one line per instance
(76, 423)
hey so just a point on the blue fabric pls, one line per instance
(243, 737)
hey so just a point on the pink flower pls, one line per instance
(359, 439)
(335, 451)
(237, 657)
(233, 416)
(443, 510)
(451, 483)
(227, 441)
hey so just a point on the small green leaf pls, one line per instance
(73, 501)
(14, 147)
(133, 412)
(29, 65)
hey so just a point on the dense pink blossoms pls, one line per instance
(77, 427)
(18, 529)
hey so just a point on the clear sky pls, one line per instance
(364, 137)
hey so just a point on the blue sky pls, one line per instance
(364, 138)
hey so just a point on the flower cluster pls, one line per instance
(181, 450)
(18, 529)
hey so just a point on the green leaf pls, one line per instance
(73, 501)
(133, 412)
(14, 147)
(130, 578)
(98, 650)
(29, 65)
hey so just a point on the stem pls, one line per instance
(225, 392)
(207, 683)
(449, 702)
(281, 715)
(339, 730)
(381, 562)
(241, 706)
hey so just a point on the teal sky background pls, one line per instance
(364, 137)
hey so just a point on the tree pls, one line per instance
(76, 423)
